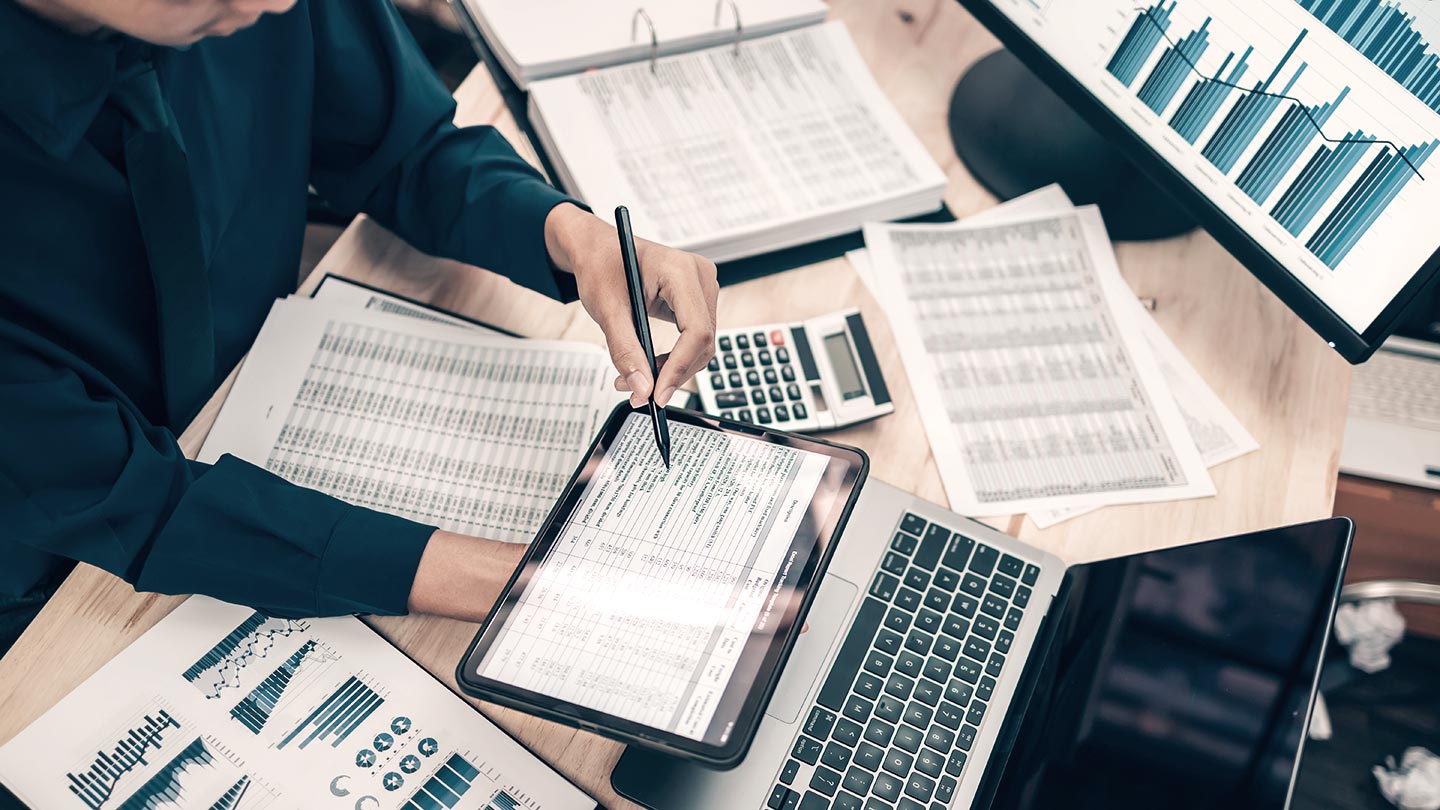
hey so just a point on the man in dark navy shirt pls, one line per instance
(155, 157)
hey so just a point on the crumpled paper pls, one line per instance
(1369, 629)
(1414, 784)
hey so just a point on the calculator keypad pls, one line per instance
(752, 378)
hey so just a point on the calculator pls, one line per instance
(814, 375)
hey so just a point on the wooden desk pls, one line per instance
(1281, 380)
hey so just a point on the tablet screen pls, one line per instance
(655, 596)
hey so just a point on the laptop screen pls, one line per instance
(1180, 678)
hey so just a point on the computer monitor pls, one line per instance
(1301, 133)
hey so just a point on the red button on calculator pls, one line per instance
(777, 337)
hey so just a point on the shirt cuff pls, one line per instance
(530, 202)
(369, 563)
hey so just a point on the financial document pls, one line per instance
(471, 433)
(1033, 380)
(221, 707)
(644, 603)
(729, 152)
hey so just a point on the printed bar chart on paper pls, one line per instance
(1310, 124)
(135, 749)
(340, 714)
(219, 667)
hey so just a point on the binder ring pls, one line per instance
(654, 40)
(734, 9)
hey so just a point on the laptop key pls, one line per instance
(918, 641)
(928, 691)
(932, 545)
(875, 804)
(844, 801)
(965, 605)
(878, 663)
(900, 686)
(889, 641)
(909, 738)
(941, 738)
(917, 579)
(976, 713)
(898, 762)
(858, 708)
(967, 670)
(814, 801)
(807, 750)
(1003, 585)
(929, 621)
(894, 563)
(949, 715)
(977, 648)
(907, 803)
(819, 723)
(836, 756)
(936, 669)
(947, 647)
(918, 714)
(991, 606)
(1012, 566)
(913, 524)
(956, 626)
(973, 584)
(897, 620)
(957, 552)
(909, 663)
(1021, 597)
(986, 689)
(992, 667)
(868, 685)
(847, 731)
(787, 773)
(929, 762)
(945, 789)
(852, 655)
(857, 780)
(908, 598)
(870, 757)
(947, 579)
(955, 763)
(879, 732)
(984, 559)
(1012, 619)
(958, 691)
(937, 599)
(1032, 572)
(889, 708)
(904, 543)
(966, 737)
(1003, 641)
(777, 797)
(887, 787)
(826, 781)
(883, 586)
(986, 627)
(920, 787)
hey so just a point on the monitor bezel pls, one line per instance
(1353, 345)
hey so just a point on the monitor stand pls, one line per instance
(1015, 135)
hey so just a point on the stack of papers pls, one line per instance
(733, 152)
(1044, 385)
(406, 410)
(220, 706)
(537, 39)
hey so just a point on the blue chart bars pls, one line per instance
(232, 797)
(1329, 203)
(449, 782)
(165, 786)
(1382, 32)
(340, 714)
(95, 784)
(219, 667)
(254, 709)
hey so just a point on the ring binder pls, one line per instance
(654, 40)
(739, 27)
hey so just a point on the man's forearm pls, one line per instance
(461, 576)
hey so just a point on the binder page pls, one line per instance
(644, 605)
(219, 706)
(472, 433)
(1031, 376)
(717, 144)
(337, 290)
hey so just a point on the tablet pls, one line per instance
(658, 606)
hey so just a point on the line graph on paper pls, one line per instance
(220, 667)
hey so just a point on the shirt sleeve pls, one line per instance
(85, 476)
(384, 143)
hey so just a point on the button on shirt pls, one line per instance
(333, 94)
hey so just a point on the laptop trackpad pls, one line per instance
(826, 618)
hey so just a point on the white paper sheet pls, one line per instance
(471, 433)
(1031, 375)
(728, 154)
(220, 707)
(340, 291)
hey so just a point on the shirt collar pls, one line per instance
(52, 82)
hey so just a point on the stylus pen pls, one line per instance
(641, 318)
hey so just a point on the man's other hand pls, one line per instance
(680, 287)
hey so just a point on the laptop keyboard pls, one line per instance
(906, 696)
(1397, 388)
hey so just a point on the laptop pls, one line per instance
(948, 665)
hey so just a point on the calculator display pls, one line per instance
(847, 375)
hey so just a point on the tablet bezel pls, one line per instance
(772, 665)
